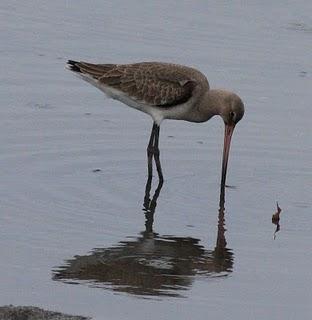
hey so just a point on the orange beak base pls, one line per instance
(228, 131)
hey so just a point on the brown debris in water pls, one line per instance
(276, 215)
(276, 219)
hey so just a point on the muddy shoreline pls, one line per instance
(11, 312)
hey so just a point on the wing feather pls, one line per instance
(154, 83)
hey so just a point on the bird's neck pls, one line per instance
(211, 104)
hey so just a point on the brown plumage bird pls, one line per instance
(165, 91)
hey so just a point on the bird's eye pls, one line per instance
(232, 114)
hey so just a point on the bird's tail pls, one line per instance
(73, 66)
(94, 71)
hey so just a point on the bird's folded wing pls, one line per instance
(157, 84)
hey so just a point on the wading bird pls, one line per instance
(165, 91)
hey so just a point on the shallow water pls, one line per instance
(78, 233)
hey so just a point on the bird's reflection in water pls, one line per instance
(150, 264)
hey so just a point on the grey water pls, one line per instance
(82, 233)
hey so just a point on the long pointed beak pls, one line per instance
(228, 131)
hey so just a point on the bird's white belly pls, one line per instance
(157, 113)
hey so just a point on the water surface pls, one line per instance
(73, 164)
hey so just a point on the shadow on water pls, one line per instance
(151, 264)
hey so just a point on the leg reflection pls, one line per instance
(149, 204)
(150, 264)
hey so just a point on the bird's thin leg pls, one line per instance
(156, 154)
(150, 152)
(147, 199)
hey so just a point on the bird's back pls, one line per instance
(154, 83)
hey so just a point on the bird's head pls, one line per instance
(231, 108)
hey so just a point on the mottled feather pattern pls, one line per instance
(158, 84)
